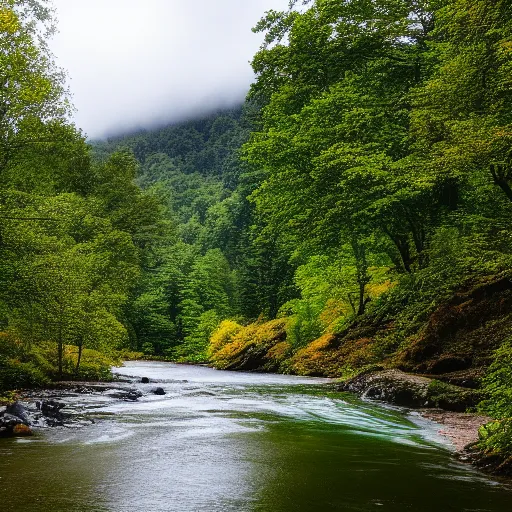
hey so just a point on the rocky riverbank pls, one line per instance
(415, 391)
(443, 403)
(17, 419)
(49, 407)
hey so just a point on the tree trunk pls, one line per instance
(402, 245)
(80, 346)
(499, 175)
(362, 301)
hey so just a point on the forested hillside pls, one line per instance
(354, 214)
(216, 265)
(74, 234)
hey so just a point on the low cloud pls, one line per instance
(136, 64)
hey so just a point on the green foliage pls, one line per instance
(196, 342)
(498, 384)
(73, 235)
(15, 374)
(496, 437)
(23, 366)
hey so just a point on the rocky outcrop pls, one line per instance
(17, 419)
(463, 332)
(14, 421)
(51, 410)
(414, 391)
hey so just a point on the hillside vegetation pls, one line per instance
(353, 214)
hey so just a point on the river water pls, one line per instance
(226, 441)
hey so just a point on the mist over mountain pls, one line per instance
(134, 66)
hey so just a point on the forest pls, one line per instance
(353, 214)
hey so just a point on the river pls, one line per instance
(229, 441)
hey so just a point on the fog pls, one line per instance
(140, 64)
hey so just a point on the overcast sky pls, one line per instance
(140, 63)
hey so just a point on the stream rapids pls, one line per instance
(230, 441)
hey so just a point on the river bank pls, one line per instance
(230, 441)
(43, 408)
(443, 403)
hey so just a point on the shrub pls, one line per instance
(223, 335)
(496, 437)
(497, 384)
(318, 358)
(253, 347)
(15, 374)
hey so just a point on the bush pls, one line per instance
(15, 374)
(20, 367)
(223, 335)
(254, 347)
(94, 365)
(497, 384)
(23, 366)
(496, 437)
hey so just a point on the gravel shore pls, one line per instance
(460, 428)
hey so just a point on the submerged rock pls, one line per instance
(51, 410)
(128, 395)
(21, 430)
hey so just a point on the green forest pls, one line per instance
(353, 214)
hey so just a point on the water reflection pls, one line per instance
(37, 477)
(222, 441)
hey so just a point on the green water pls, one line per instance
(222, 441)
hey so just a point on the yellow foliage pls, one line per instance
(223, 335)
(326, 356)
(318, 358)
(9, 23)
(334, 309)
(375, 290)
(506, 45)
(248, 347)
(279, 352)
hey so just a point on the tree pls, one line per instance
(31, 87)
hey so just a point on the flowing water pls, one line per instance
(225, 441)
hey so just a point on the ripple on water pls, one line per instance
(225, 441)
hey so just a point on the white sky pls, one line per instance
(142, 63)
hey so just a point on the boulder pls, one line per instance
(391, 386)
(158, 391)
(13, 419)
(144, 380)
(413, 391)
(16, 409)
(51, 410)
